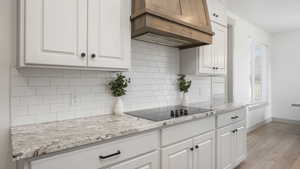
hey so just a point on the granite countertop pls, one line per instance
(33, 141)
(221, 109)
(228, 108)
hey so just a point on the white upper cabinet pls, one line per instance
(109, 33)
(220, 49)
(209, 59)
(217, 11)
(54, 33)
(75, 34)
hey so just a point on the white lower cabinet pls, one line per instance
(204, 155)
(231, 145)
(225, 148)
(195, 153)
(120, 152)
(178, 156)
(148, 161)
(240, 144)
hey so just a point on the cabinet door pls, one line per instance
(240, 151)
(217, 11)
(148, 161)
(54, 31)
(204, 154)
(220, 48)
(178, 156)
(206, 61)
(109, 34)
(225, 148)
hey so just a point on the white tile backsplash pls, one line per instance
(42, 95)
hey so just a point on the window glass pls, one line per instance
(259, 72)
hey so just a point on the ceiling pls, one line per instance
(271, 15)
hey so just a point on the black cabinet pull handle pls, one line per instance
(83, 55)
(234, 117)
(235, 131)
(109, 156)
(196, 146)
(192, 149)
(93, 56)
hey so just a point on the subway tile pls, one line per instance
(42, 95)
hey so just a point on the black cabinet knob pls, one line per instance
(235, 131)
(83, 55)
(93, 55)
(192, 149)
(196, 146)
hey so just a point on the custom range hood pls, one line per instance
(176, 23)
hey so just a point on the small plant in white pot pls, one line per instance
(184, 86)
(118, 88)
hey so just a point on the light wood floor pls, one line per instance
(273, 146)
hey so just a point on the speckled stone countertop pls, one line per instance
(228, 108)
(33, 141)
(221, 109)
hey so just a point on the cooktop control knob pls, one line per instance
(181, 112)
(172, 113)
(186, 112)
(176, 113)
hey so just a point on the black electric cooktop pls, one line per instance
(166, 113)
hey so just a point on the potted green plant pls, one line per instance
(184, 86)
(118, 88)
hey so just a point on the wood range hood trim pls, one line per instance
(154, 24)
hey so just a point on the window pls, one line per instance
(259, 71)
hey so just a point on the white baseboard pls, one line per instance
(286, 121)
(260, 124)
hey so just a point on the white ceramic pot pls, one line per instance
(184, 100)
(119, 106)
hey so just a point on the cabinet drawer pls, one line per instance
(101, 155)
(232, 117)
(184, 131)
(148, 161)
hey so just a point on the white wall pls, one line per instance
(242, 31)
(7, 50)
(285, 75)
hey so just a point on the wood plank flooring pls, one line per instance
(273, 146)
